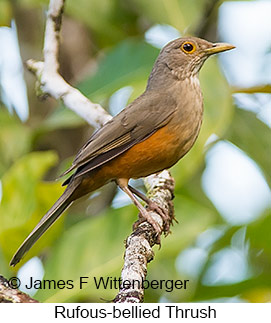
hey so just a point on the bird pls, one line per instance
(149, 135)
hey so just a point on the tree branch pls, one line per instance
(50, 82)
(139, 244)
(11, 295)
(207, 25)
(160, 187)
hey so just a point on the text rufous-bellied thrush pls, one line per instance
(151, 134)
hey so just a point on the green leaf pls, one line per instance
(258, 240)
(258, 235)
(15, 140)
(129, 63)
(211, 292)
(102, 16)
(4, 267)
(60, 118)
(177, 13)
(92, 247)
(25, 200)
(252, 136)
(5, 13)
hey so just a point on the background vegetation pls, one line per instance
(104, 49)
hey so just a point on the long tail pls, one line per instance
(49, 218)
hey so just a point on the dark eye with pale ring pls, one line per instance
(188, 47)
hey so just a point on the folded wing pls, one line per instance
(135, 123)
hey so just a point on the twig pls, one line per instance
(50, 82)
(205, 28)
(11, 295)
(160, 187)
(266, 88)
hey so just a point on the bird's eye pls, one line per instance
(188, 47)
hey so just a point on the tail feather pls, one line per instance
(49, 218)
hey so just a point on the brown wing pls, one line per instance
(135, 123)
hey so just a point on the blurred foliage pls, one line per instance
(83, 245)
(242, 133)
(135, 59)
(25, 198)
(5, 12)
(10, 147)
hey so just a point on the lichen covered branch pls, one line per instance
(51, 83)
(139, 244)
(12, 295)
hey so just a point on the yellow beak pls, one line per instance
(218, 48)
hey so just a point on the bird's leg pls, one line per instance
(142, 196)
(123, 184)
(152, 206)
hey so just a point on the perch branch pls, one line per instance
(160, 187)
(11, 295)
(50, 82)
(139, 244)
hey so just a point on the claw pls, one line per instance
(145, 216)
(163, 212)
(152, 206)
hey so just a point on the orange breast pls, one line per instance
(157, 152)
(160, 151)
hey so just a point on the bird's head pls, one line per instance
(184, 57)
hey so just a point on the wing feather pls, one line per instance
(135, 123)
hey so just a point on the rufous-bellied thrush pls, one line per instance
(151, 134)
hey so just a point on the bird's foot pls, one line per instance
(145, 216)
(163, 212)
(149, 218)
